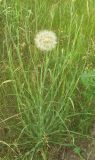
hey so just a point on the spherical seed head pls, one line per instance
(45, 40)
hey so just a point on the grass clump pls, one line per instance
(53, 93)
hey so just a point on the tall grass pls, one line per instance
(53, 92)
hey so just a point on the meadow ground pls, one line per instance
(47, 99)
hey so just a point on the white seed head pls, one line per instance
(46, 40)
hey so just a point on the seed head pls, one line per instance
(45, 40)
